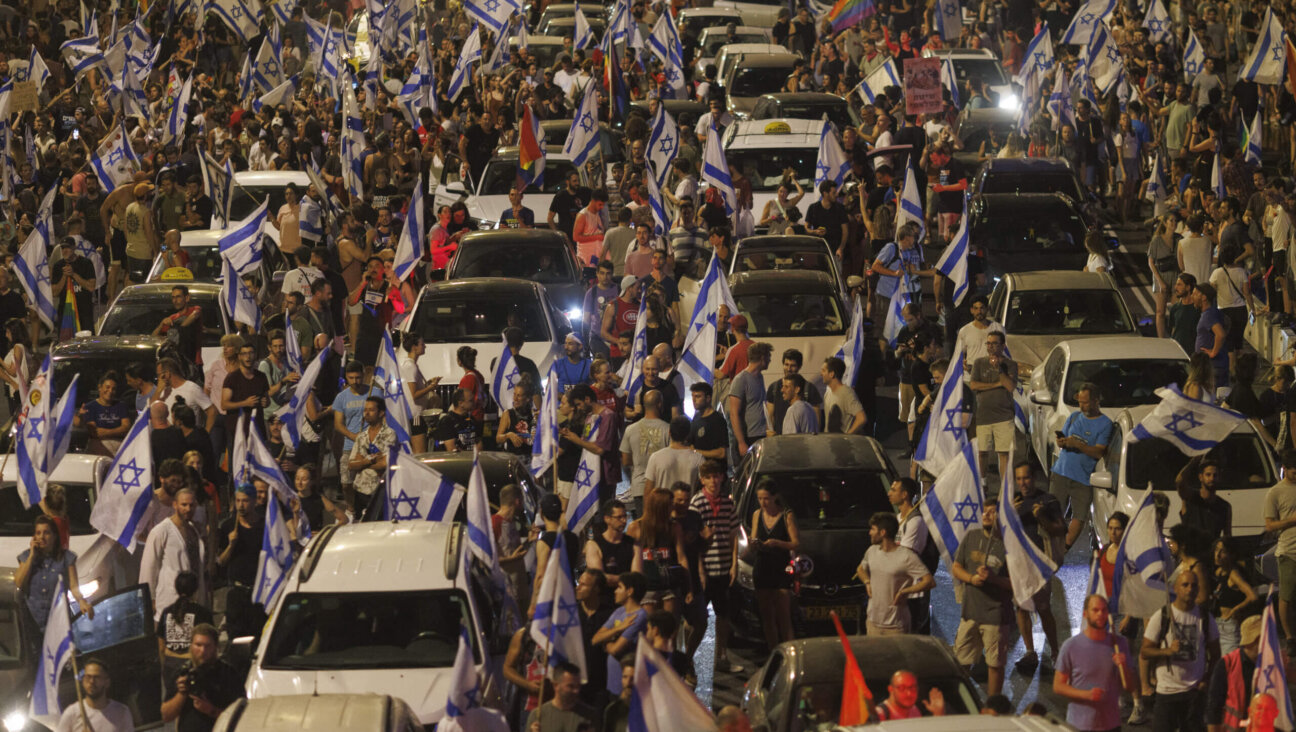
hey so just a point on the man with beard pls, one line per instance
(101, 714)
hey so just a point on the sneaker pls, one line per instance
(1139, 715)
(1027, 664)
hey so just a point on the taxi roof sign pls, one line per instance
(778, 128)
(172, 274)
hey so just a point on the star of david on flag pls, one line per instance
(276, 557)
(958, 487)
(556, 624)
(584, 498)
(118, 512)
(1190, 425)
(417, 492)
(505, 377)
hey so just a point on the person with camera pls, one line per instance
(95, 712)
(205, 686)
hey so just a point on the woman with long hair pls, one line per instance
(45, 569)
(1200, 384)
(54, 506)
(660, 327)
(312, 502)
(1096, 245)
(659, 550)
(1234, 599)
(774, 533)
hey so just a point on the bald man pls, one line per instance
(902, 699)
(666, 370)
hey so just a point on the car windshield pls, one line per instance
(791, 314)
(205, 262)
(760, 260)
(368, 630)
(754, 81)
(17, 521)
(1242, 457)
(1052, 230)
(539, 263)
(713, 43)
(1051, 181)
(91, 369)
(11, 641)
(837, 113)
(544, 54)
(501, 174)
(248, 197)
(478, 318)
(763, 167)
(1066, 313)
(694, 26)
(829, 499)
(985, 69)
(816, 706)
(1128, 382)
(140, 316)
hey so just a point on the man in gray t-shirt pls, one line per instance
(747, 398)
(993, 380)
(987, 621)
(890, 572)
(640, 441)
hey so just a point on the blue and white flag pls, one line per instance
(663, 144)
(470, 54)
(1028, 569)
(1268, 59)
(293, 416)
(1217, 177)
(715, 170)
(465, 685)
(241, 246)
(64, 414)
(697, 357)
(583, 36)
(82, 54)
(632, 370)
(953, 262)
(1271, 667)
(282, 94)
(352, 145)
(833, 164)
(56, 651)
(33, 270)
(544, 441)
(946, 432)
(1059, 105)
(895, 321)
(239, 302)
(419, 91)
(133, 100)
(32, 435)
(416, 492)
(218, 185)
(665, 43)
(36, 70)
(1157, 21)
(127, 487)
(948, 16)
(1190, 425)
(493, 15)
(267, 71)
(174, 129)
(656, 204)
(949, 80)
(1039, 57)
(283, 10)
(875, 83)
(396, 396)
(852, 351)
(1105, 63)
(481, 535)
(1086, 20)
(1142, 565)
(413, 239)
(556, 626)
(242, 17)
(114, 161)
(660, 701)
(1194, 58)
(584, 501)
(952, 507)
(1156, 185)
(276, 558)
(252, 459)
(1096, 584)
(910, 208)
(583, 139)
(504, 377)
(292, 349)
(1254, 145)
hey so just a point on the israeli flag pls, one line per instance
(471, 53)
(505, 377)
(556, 626)
(133, 100)
(952, 507)
(1086, 20)
(632, 370)
(665, 43)
(832, 164)
(1190, 425)
(493, 15)
(174, 129)
(1156, 185)
(1039, 57)
(949, 19)
(1194, 59)
(584, 504)
(33, 427)
(416, 492)
(877, 82)
(292, 349)
(294, 415)
(61, 428)
(1105, 62)
(267, 72)
(1142, 564)
(584, 37)
(1271, 668)
(1217, 176)
(895, 321)
(481, 535)
(715, 170)
(36, 70)
(127, 487)
(276, 558)
(282, 94)
(1028, 569)
(56, 651)
(82, 54)
(1253, 146)
(241, 18)
(33, 270)
(1096, 584)
(1268, 57)
(946, 432)
(695, 361)
(910, 208)
(661, 220)
(953, 262)
(660, 701)
(241, 245)
(353, 145)
(663, 143)
(419, 91)
(252, 459)
(1059, 103)
(387, 378)
(114, 161)
(1158, 22)
(413, 238)
(283, 10)
(852, 351)
(949, 79)
(544, 441)
(218, 185)
(239, 302)
(583, 139)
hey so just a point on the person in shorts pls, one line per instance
(987, 620)
(993, 381)
(1081, 442)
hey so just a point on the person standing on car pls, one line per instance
(183, 327)
(1093, 668)
(205, 686)
(566, 204)
(987, 616)
(73, 272)
(95, 711)
(890, 573)
(1182, 641)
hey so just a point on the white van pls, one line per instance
(376, 608)
(319, 713)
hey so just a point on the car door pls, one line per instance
(1105, 498)
(122, 633)
(1047, 379)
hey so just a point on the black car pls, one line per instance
(1029, 175)
(498, 468)
(1024, 232)
(138, 309)
(832, 484)
(800, 685)
(537, 255)
(805, 105)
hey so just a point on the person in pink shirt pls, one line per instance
(588, 232)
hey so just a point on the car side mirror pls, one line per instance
(239, 653)
(1102, 479)
(1042, 396)
(437, 275)
(457, 188)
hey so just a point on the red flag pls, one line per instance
(1291, 67)
(856, 698)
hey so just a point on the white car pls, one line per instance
(762, 150)
(754, 12)
(984, 65)
(1121, 479)
(717, 36)
(1127, 372)
(251, 187)
(487, 197)
(1040, 309)
(731, 54)
(799, 309)
(377, 608)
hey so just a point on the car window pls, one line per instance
(754, 261)
(1035, 181)
(986, 69)
(776, 691)
(996, 300)
(837, 113)
(91, 369)
(764, 167)
(478, 319)
(501, 174)
(1065, 312)
(785, 314)
(828, 499)
(132, 619)
(817, 705)
(1111, 461)
(1243, 457)
(11, 640)
(17, 521)
(1051, 231)
(714, 43)
(754, 81)
(139, 316)
(248, 197)
(1124, 382)
(525, 261)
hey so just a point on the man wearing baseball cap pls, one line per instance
(1229, 691)
(736, 358)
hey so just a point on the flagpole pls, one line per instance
(76, 673)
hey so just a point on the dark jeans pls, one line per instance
(1181, 712)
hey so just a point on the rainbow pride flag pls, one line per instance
(531, 152)
(70, 323)
(846, 13)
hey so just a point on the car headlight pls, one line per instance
(574, 314)
(15, 721)
(1009, 101)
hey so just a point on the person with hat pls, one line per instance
(1230, 681)
(141, 235)
(575, 368)
(74, 275)
(619, 317)
(736, 356)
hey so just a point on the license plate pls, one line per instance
(821, 612)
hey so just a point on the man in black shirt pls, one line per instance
(198, 206)
(204, 687)
(478, 143)
(76, 272)
(774, 401)
(455, 430)
(708, 434)
(567, 203)
(11, 306)
(827, 218)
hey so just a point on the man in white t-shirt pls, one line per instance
(172, 384)
(678, 463)
(103, 714)
(299, 278)
(718, 114)
(641, 441)
(1181, 652)
(972, 337)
